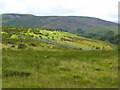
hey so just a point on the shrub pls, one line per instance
(98, 48)
(12, 46)
(32, 44)
(9, 42)
(21, 46)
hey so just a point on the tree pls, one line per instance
(80, 31)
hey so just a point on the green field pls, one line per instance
(60, 69)
(36, 58)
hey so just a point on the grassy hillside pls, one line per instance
(19, 37)
(36, 58)
(63, 23)
(102, 30)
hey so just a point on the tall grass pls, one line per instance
(59, 69)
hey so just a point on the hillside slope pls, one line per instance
(63, 23)
(19, 38)
(65, 59)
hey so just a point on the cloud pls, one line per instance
(103, 9)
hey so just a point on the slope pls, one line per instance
(63, 23)
(35, 38)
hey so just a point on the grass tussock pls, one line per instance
(60, 69)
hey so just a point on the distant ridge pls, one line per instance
(62, 23)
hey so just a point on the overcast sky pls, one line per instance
(104, 9)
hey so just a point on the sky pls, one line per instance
(103, 9)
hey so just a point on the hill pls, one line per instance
(72, 24)
(67, 60)
(35, 38)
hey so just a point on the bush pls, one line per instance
(21, 46)
(12, 46)
(10, 43)
(32, 44)
(98, 48)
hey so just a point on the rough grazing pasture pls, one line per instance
(59, 69)
(36, 58)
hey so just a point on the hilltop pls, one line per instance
(72, 24)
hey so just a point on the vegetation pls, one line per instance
(109, 36)
(15, 37)
(38, 58)
(59, 69)
(87, 27)
(62, 23)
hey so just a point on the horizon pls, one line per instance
(92, 8)
(59, 16)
